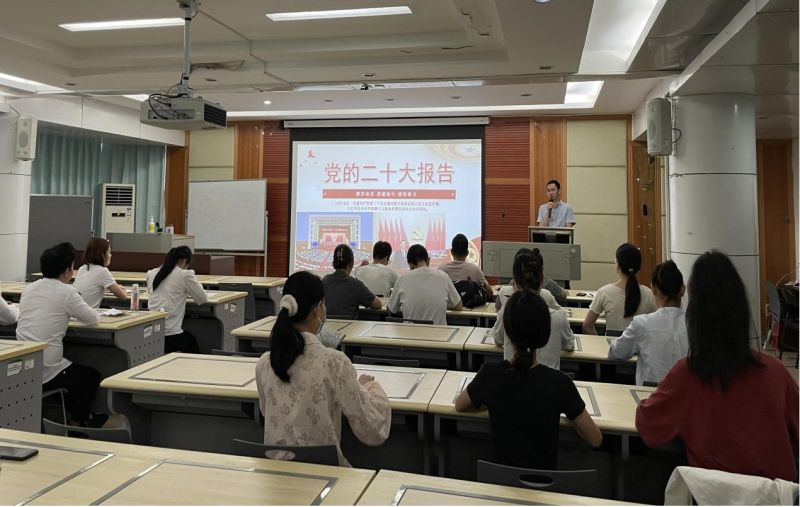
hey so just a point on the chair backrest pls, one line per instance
(234, 353)
(121, 435)
(773, 299)
(319, 454)
(381, 361)
(249, 301)
(574, 482)
(613, 332)
(404, 319)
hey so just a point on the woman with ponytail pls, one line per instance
(169, 286)
(305, 387)
(528, 275)
(623, 299)
(523, 390)
(659, 339)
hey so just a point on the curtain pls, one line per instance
(71, 161)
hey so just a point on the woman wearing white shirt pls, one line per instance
(94, 278)
(659, 338)
(169, 286)
(8, 314)
(623, 299)
(45, 308)
(304, 387)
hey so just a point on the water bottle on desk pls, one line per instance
(151, 225)
(135, 297)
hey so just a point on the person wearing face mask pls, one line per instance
(305, 387)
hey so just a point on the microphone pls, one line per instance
(550, 211)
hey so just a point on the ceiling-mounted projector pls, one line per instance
(182, 113)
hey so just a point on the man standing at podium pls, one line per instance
(555, 212)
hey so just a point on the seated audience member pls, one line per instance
(378, 276)
(304, 388)
(45, 308)
(169, 286)
(623, 299)
(94, 278)
(400, 257)
(459, 269)
(424, 293)
(658, 339)
(734, 408)
(522, 390)
(343, 293)
(550, 291)
(528, 276)
(8, 314)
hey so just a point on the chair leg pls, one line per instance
(63, 407)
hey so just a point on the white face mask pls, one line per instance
(321, 320)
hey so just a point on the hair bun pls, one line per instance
(289, 303)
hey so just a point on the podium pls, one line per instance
(564, 235)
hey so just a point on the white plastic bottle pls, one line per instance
(135, 297)
(151, 225)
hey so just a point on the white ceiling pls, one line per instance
(523, 51)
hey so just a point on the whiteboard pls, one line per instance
(228, 215)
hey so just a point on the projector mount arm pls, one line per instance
(189, 8)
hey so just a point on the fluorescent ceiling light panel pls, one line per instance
(122, 24)
(138, 98)
(339, 13)
(616, 31)
(388, 86)
(27, 85)
(582, 92)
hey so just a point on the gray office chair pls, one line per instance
(319, 454)
(120, 435)
(385, 361)
(249, 301)
(234, 353)
(61, 392)
(648, 383)
(404, 319)
(573, 482)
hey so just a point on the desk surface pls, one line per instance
(256, 281)
(587, 347)
(481, 311)
(612, 406)
(408, 389)
(399, 488)
(125, 320)
(73, 471)
(9, 349)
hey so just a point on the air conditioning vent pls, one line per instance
(118, 196)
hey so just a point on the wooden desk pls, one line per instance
(466, 317)
(73, 471)
(21, 385)
(612, 407)
(583, 300)
(588, 349)
(159, 396)
(398, 488)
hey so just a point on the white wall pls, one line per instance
(94, 115)
(211, 154)
(15, 190)
(597, 179)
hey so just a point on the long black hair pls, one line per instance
(668, 279)
(526, 270)
(526, 319)
(629, 260)
(170, 261)
(342, 257)
(718, 321)
(286, 342)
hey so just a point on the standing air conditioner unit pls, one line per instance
(118, 205)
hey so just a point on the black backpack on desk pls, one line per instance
(472, 293)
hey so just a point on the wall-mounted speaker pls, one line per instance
(659, 127)
(26, 138)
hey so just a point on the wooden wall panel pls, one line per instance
(548, 160)
(176, 187)
(249, 150)
(506, 180)
(276, 171)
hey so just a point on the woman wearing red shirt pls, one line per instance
(735, 409)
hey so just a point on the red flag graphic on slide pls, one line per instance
(403, 233)
(393, 234)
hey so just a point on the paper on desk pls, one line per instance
(112, 312)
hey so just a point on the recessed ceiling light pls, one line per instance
(211, 80)
(541, 1)
(327, 100)
(545, 67)
(367, 74)
(122, 24)
(339, 13)
(267, 102)
(455, 97)
(525, 94)
(70, 84)
(390, 100)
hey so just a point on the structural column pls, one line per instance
(15, 191)
(713, 185)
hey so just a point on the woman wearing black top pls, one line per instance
(526, 399)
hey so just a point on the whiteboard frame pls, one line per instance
(247, 253)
